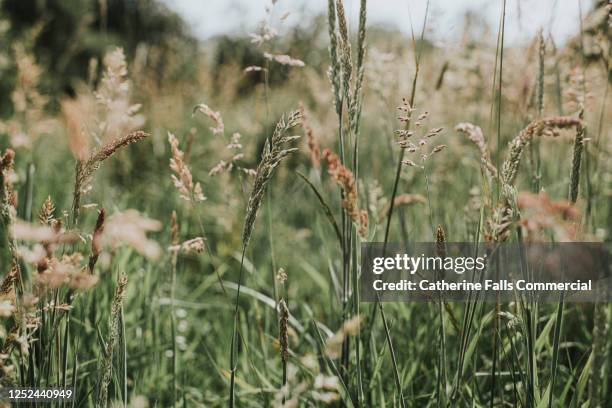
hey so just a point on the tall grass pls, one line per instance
(531, 136)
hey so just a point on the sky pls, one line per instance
(523, 17)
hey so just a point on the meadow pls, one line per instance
(181, 221)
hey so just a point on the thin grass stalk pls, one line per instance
(356, 302)
(529, 310)
(283, 340)
(124, 357)
(442, 380)
(273, 153)
(589, 195)
(468, 320)
(331, 364)
(597, 387)
(354, 104)
(499, 109)
(29, 189)
(598, 328)
(378, 304)
(266, 73)
(174, 240)
(556, 341)
(233, 351)
(576, 159)
(535, 147)
(114, 333)
(601, 316)
(357, 102)
(346, 68)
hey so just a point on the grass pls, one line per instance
(213, 306)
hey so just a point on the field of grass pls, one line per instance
(181, 222)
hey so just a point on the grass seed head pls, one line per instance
(283, 335)
(273, 153)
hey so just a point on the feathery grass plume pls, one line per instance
(334, 69)
(284, 59)
(576, 158)
(235, 147)
(74, 111)
(204, 109)
(67, 271)
(30, 120)
(345, 52)
(313, 144)
(419, 149)
(272, 154)
(105, 114)
(96, 244)
(346, 180)
(183, 180)
(475, 135)
(545, 126)
(113, 337)
(85, 168)
(357, 99)
(104, 117)
(25, 231)
(119, 115)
